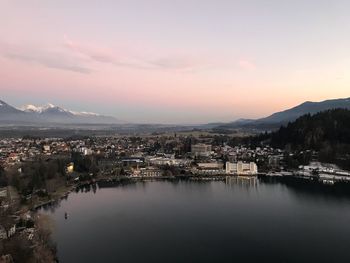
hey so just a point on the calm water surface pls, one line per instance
(185, 221)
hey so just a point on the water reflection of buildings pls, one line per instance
(242, 181)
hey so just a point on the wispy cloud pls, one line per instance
(179, 62)
(43, 57)
(128, 59)
(79, 57)
(104, 55)
(94, 53)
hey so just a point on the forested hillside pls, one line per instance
(327, 132)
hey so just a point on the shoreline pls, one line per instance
(111, 182)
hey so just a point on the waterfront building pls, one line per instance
(147, 172)
(150, 172)
(241, 168)
(213, 168)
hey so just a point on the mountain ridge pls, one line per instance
(277, 119)
(50, 113)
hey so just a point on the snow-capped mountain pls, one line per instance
(50, 113)
(30, 108)
(50, 108)
(46, 108)
(40, 109)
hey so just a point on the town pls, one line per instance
(40, 171)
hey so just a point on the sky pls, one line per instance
(174, 61)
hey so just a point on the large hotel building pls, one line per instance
(241, 168)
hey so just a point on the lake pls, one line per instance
(234, 220)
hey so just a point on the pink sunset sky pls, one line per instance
(174, 61)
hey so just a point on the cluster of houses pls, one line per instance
(201, 160)
(139, 156)
(16, 150)
(147, 155)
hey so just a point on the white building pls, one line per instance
(147, 172)
(241, 168)
(209, 169)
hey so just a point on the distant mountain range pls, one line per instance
(49, 113)
(283, 117)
